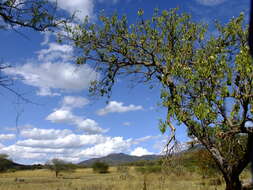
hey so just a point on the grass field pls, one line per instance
(85, 179)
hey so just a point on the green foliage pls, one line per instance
(100, 167)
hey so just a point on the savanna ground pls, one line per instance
(86, 179)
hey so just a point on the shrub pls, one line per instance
(100, 167)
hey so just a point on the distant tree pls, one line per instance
(206, 81)
(5, 163)
(58, 166)
(100, 167)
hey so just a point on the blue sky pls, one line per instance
(63, 121)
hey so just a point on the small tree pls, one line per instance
(58, 166)
(100, 167)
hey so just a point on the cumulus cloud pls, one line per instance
(1, 146)
(70, 141)
(111, 145)
(146, 138)
(126, 124)
(44, 134)
(81, 8)
(56, 51)
(62, 116)
(74, 102)
(118, 107)
(5, 137)
(52, 72)
(65, 145)
(139, 151)
(16, 153)
(39, 145)
(210, 2)
(67, 117)
(90, 126)
(48, 76)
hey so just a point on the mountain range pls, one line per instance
(120, 158)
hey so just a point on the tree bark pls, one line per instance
(232, 181)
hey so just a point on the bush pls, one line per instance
(100, 167)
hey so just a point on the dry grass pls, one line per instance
(85, 179)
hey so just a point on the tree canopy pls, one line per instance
(207, 80)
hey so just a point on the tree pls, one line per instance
(100, 167)
(207, 81)
(5, 163)
(58, 166)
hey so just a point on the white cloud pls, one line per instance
(211, 2)
(126, 123)
(112, 145)
(16, 153)
(49, 76)
(66, 116)
(70, 141)
(62, 116)
(89, 126)
(40, 145)
(117, 107)
(41, 134)
(5, 137)
(52, 72)
(1, 146)
(146, 138)
(139, 151)
(81, 8)
(74, 102)
(56, 51)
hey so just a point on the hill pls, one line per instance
(7, 165)
(121, 158)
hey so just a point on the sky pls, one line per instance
(61, 120)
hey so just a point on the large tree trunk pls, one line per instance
(232, 181)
